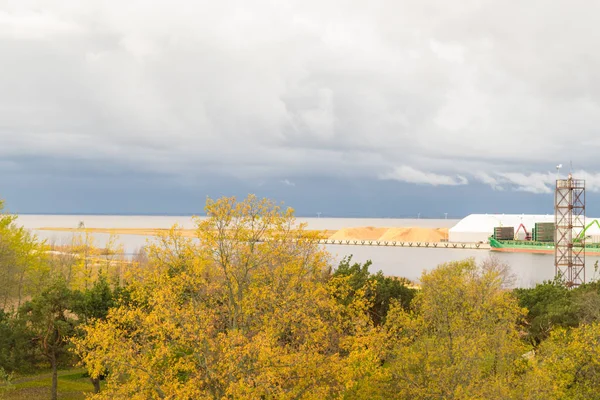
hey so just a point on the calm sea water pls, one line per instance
(529, 269)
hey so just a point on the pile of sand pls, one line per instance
(414, 234)
(365, 233)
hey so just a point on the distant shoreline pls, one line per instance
(407, 234)
(186, 215)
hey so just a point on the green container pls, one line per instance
(543, 232)
(504, 233)
(544, 226)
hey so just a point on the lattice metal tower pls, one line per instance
(569, 220)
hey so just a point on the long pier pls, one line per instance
(431, 245)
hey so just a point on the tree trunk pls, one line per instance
(21, 279)
(54, 377)
(96, 383)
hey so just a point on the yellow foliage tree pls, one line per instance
(461, 341)
(82, 260)
(23, 262)
(246, 311)
(566, 366)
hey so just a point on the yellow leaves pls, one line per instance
(255, 246)
(81, 261)
(250, 220)
(461, 338)
(566, 366)
(248, 310)
(243, 312)
(23, 262)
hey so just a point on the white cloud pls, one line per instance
(411, 175)
(33, 25)
(493, 182)
(322, 87)
(447, 51)
(533, 183)
(287, 182)
(592, 180)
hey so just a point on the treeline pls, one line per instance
(46, 293)
(234, 316)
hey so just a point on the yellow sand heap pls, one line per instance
(413, 234)
(366, 233)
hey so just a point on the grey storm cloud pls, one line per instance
(434, 92)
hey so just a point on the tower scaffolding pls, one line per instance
(569, 220)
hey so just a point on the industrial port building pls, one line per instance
(479, 227)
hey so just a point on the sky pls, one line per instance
(385, 108)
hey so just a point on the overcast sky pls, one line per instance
(379, 107)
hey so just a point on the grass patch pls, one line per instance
(72, 385)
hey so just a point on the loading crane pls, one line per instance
(527, 234)
(581, 236)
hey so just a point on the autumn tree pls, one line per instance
(587, 302)
(381, 290)
(49, 319)
(93, 304)
(565, 366)
(460, 340)
(6, 383)
(245, 311)
(549, 305)
(17, 354)
(23, 266)
(81, 261)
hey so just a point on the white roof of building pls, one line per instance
(487, 222)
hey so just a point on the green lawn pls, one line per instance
(72, 384)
